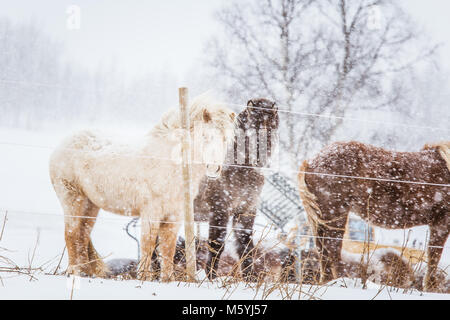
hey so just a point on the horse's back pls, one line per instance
(361, 160)
(83, 140)
(72, 150)
(343, 158)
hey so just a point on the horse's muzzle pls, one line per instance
(213, 171)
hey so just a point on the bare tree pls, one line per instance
(317, 58)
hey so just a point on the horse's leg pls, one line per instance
(216, 240)
(167, 246)
(243, 223)
(79, 219)
(438, 237)
(70, 207)
(80, 215)
(98, 267)
(328, 240)
(149, 234)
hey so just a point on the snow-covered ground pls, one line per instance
(33, 236)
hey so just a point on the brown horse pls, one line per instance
(394, 190)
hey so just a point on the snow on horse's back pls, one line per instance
(142, 178)
(389, 189)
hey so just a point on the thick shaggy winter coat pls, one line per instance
(394, 190)
(90, 172)
(236, 193)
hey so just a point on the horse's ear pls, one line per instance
(206, 116)
(250, 103)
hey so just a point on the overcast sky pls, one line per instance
(140, 35)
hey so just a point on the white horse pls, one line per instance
(89, 173)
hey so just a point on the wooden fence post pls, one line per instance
(187, 174)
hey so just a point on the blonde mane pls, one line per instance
(444, 150)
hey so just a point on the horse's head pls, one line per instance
(213, 131)
(258, 123)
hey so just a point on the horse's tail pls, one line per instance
(310, 203)
(309, 199)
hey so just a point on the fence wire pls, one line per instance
(269, 228)
(282, 109)
(267, 169)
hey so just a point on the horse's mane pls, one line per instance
(443, 148)
(202, 105)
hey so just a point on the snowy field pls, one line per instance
(59, 287)
(33, 238)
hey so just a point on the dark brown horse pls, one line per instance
(394, 190)
(237, 191)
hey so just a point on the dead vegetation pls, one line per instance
(277, 270)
